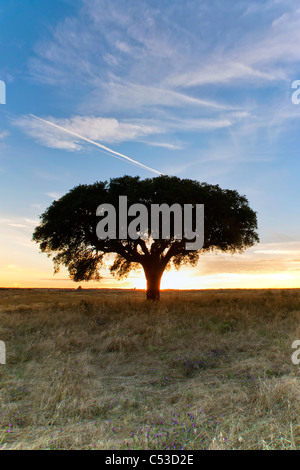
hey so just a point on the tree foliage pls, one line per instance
(67, 231)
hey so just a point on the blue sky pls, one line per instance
(196, 89)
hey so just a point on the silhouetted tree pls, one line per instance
(67, 231)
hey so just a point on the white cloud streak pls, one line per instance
(100, 146)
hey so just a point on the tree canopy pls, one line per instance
(67, 231)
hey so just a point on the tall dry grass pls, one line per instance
(108, 370)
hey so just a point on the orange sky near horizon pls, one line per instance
(272, 265)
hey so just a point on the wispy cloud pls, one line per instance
(36, 205)
(261, 57)
(21, 223)
(149, 41)
(124, 54)
(222, 71)
(131, 61)
(116, 95)
(82, 138)
(53, 195)
(3, 134)
(109, 130)
(268, 258)
(166, 145)
(106, 130)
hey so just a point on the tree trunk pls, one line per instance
(153, 277)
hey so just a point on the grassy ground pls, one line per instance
(109, 370)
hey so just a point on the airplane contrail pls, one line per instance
(130, 160)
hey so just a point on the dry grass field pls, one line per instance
(105, 369)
